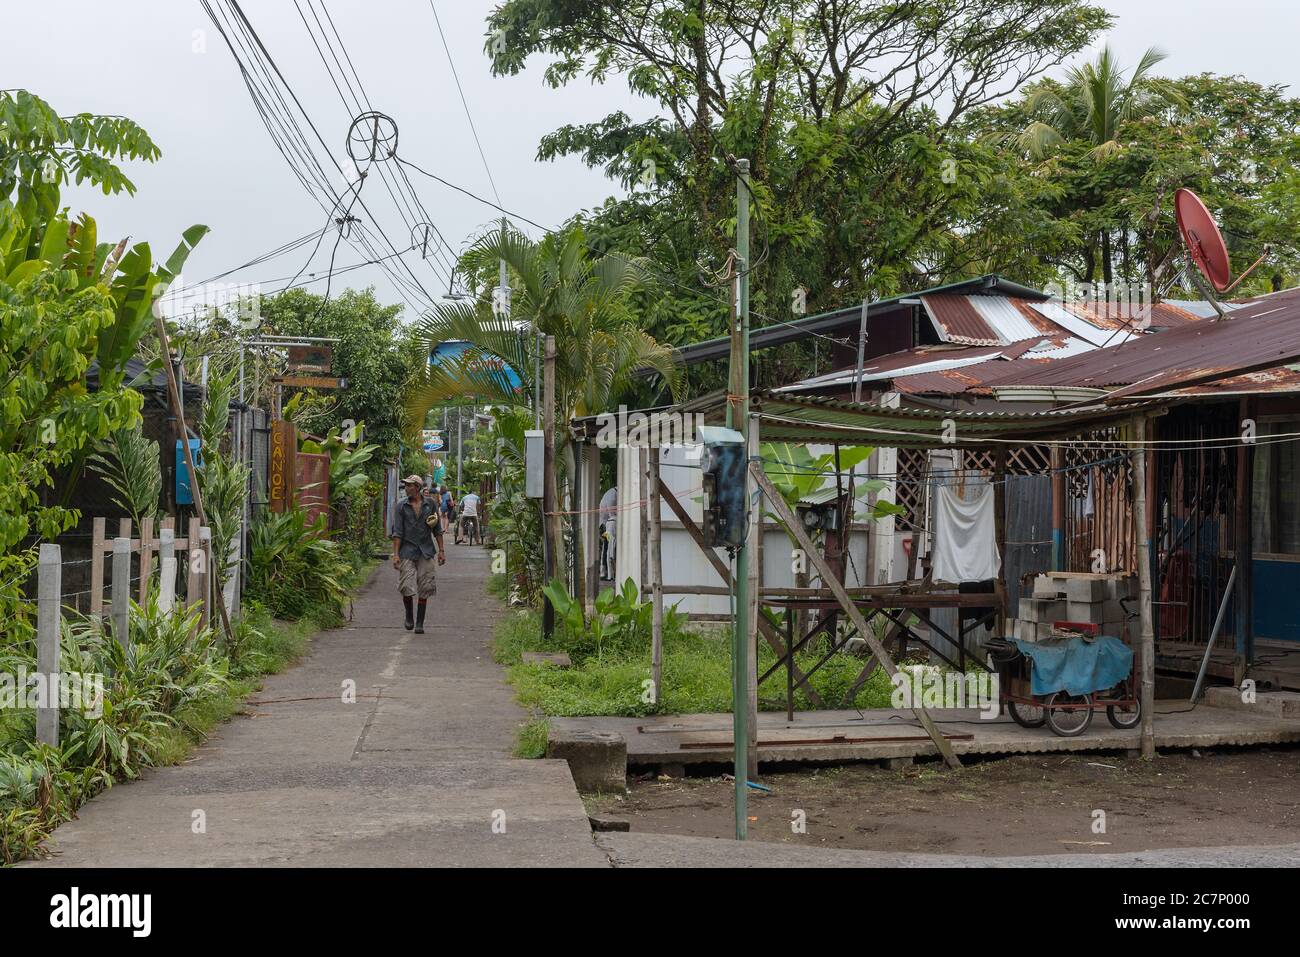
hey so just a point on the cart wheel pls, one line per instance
(1026, 715)
(1068, 722)
(1123, 718)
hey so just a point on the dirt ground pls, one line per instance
(1028, 804)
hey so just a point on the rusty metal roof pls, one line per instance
(1262, 335)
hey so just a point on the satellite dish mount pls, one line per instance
(1204, 244)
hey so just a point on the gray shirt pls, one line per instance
(413, 531)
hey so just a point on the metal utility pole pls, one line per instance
(740, 629)
(459, 441)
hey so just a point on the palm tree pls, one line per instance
(557, 289)
(1092, 105)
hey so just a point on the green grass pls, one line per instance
(614, 679)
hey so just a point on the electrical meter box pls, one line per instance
(534, 454)
(723, 463)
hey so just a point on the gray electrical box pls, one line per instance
(724, 480)
(534, 456)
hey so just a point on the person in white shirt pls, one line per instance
(608, 524)
(467, 522)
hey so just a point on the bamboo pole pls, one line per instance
(656, 580)
(173, 395)
(1143, 539)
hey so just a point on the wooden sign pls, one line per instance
(310, 359)
(313, 481)
(313, 382)
(282, 468)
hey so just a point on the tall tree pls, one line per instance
(1093, 105)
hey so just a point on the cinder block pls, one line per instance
(1043, 631)
(1084, 611)
(1027, 630)
(1113, 628)
(597, 759)
(1122, 587)
(1042, 609)
(1085, 589)
(1045, 586)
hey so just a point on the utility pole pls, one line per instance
(459, 441)
(740, 421)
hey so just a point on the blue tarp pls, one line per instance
(1076, 666)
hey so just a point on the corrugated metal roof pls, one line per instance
(815, 418)
(956, 320)
(1262, 335)
(908, 362)
(1004, 317)
(1083, 327)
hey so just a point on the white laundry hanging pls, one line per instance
(965, 534)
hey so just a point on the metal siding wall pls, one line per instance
(1029, 531)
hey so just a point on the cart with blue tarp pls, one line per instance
(1062, 681)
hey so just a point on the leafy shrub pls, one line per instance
(295, 570)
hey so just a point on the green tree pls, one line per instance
(852, 116)
(560, 290)
(1093, 105)
(66, 301)
(374, 353)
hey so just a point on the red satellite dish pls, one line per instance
(1202, 238)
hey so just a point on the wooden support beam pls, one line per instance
(656, 581)
(765, 627)
(1141, 535)
(795, 527)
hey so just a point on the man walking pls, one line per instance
(415, 526)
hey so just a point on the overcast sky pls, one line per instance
(146, 60)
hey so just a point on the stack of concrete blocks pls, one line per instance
(1076, 597)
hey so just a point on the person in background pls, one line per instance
(608, 518)
(444, 506)
(467, 520)
(415, 526)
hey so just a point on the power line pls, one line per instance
(459, 89)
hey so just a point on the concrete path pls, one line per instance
(417, 772)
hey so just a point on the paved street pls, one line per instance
(416, 772)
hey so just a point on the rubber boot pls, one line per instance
(419, 616)
(409, 602)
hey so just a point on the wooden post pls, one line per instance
(1000, 532)
(146, 559)
(656, 580)
(1058, 508)
(49, 591)
(550, 488)
(590, 523)
(1244, 546)
(97, 539)
(122, 591)
(796, 529)
(1141, 535)
(755, 500)
(166, 570)
(207, 581)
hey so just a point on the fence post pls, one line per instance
(49, 610)
(166, 570)
(206, 579)
(122, 591)
(96, 609)
(146, 559)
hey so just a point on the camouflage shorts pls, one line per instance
(417, 577)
